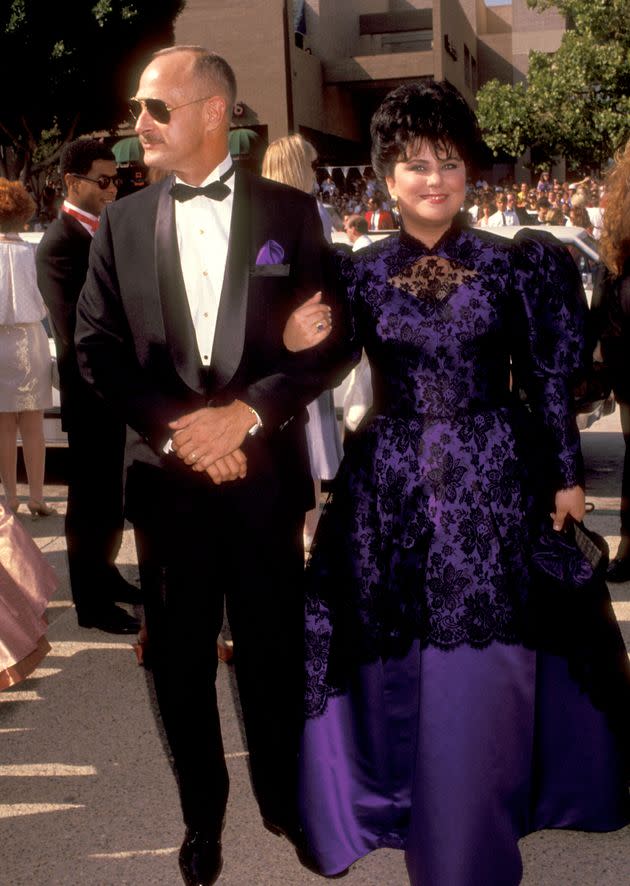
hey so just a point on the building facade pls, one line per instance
(321, 67)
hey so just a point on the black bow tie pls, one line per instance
(216, 190)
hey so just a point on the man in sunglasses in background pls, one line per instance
(96, 436)
(180, 325)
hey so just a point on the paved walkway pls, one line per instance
(86, 793)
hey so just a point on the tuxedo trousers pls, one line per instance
(94, 516)
(198, 549)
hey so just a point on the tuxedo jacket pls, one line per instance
(62, 262)
(136, 341)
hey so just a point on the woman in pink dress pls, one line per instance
(27, 582)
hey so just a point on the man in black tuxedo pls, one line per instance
(180, 327)
(94, 517)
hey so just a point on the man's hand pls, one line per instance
(203, 437)
(232, 467)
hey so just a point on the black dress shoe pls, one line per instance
(112, 620)
(122, 591)
(618, 569)
(296, 836)
(200, 859)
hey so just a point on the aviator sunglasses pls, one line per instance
(103, 181)
(158, 109)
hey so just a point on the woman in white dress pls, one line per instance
(25, 366)
(291, 160)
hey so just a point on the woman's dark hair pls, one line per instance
(425, 111)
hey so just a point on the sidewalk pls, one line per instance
(86, 792)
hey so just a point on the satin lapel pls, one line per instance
(229, 337)
(178, 325)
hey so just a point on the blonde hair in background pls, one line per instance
(615, 239)
(289, 160)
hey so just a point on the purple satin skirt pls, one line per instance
(453, 757)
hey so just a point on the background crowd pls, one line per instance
(547, 201)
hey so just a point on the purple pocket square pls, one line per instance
(271, 253)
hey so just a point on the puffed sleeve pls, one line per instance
(549, 351)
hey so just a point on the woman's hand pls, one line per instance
(308, 325)
(569, 502)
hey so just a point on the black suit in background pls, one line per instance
(198, 542)
(96, 436)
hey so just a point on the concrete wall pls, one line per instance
(452, 20)
(308, 90)
(526, 19)
(257, 54)
(533, 31)
(332, 27)
(497, 19)
(394, 66)
(438, 41)
(495, 58)
(405, 5)
(507, 34)
(340, 117)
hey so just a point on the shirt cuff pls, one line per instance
(254, 428)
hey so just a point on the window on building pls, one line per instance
(407, 41)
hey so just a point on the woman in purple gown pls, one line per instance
(431, 725)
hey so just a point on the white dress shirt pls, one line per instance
(203, 232)
(500, 219)
(91, 220)
(361, 242)
(374, 220)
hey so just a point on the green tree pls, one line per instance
(69, 69)
(503, 115)
(576, 102)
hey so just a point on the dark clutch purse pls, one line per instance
(569, 613)
(570, 562)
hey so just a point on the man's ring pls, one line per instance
(320, 326)
(193, 455)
